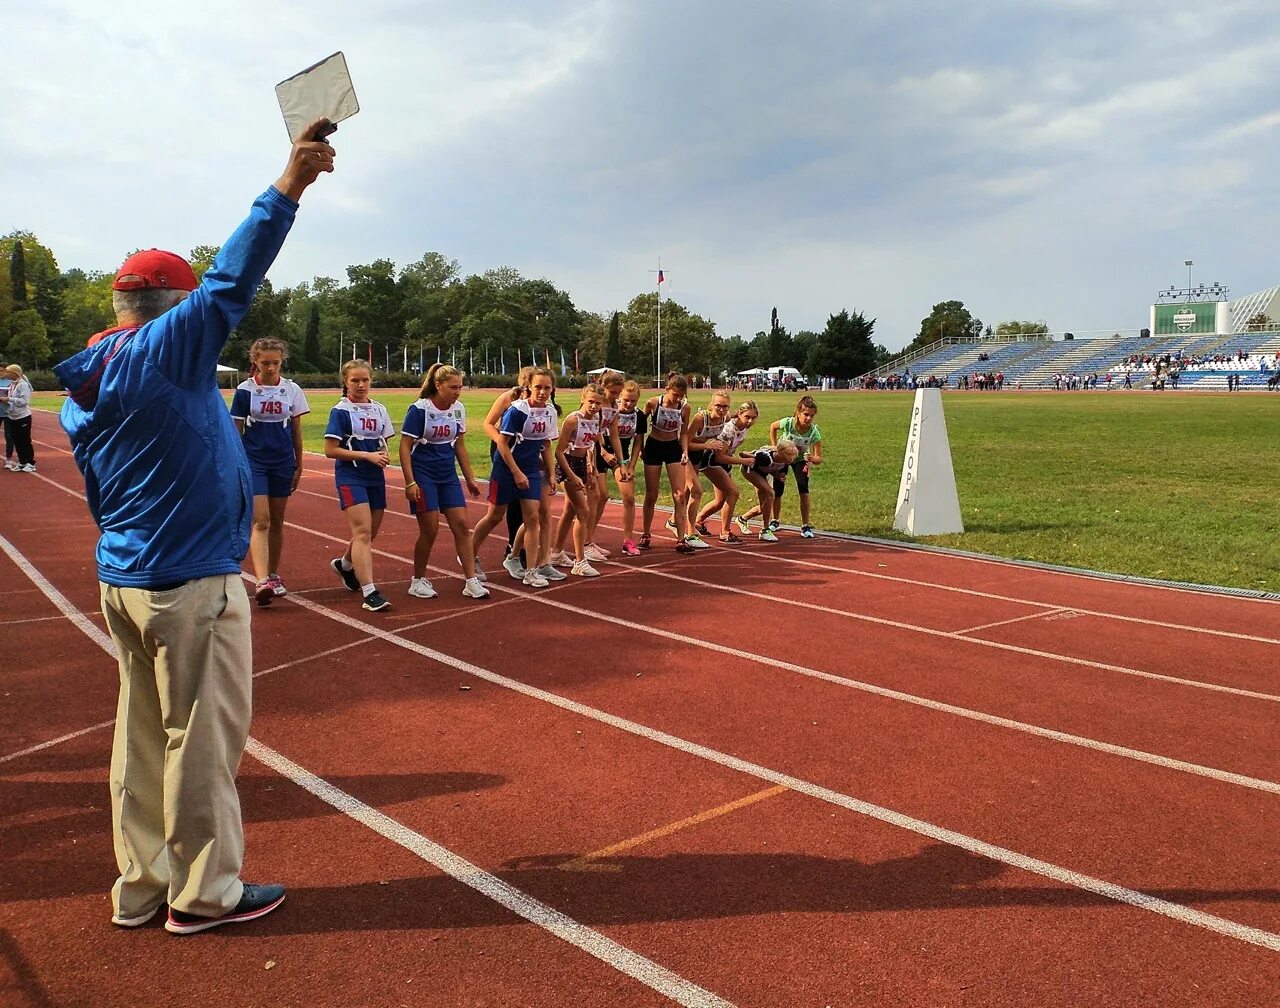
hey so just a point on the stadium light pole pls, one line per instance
(1188, 264)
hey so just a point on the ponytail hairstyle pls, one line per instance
(748, 406)
(807, 402)
(436, 375)
(265, 345)
(352, 365)
(611, 379)
(676, 382)
(539, 370)
(591, 388)
(521, 391)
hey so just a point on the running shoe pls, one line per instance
(684, 547)
(744, 526)
(29, 467)
(535, 580)
(644, 542)
(552, 573)
(422, 588)
(263, 593)
(560, 559)
(277, 586)
(775, 525)
(670, 526)
(514, 567)
(766, 535)
(730, 539)
(348, 576)
(806, 531)
(695, 542)
(374, 602)
(584, 569)
(629, 548)
(11, 464)
(702, 530)
(596, 553)
(474, 589)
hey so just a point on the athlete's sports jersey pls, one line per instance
(732, 436)
(530, 426)
(266, 411)
(587, 432)
(627, 424)
(667, 420)
(711, 428)
(359, 427)
(787, 428)
(607, 415)
(765, 464)
(435, 431)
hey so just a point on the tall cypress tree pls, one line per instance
(613, 345)
(18, 276)
(311, 340)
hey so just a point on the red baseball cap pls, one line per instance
(155, 268)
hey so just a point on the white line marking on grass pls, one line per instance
(955, 636)
(658, 978)
(1108, 890)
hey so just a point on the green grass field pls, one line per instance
(1180, 487)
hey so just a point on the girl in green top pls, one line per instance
(801, 430)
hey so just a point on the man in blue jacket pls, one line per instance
(168, 484)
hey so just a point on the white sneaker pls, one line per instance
(514, 567)
(10, 464)
(474, 589)
(29, 467)
(561, 559)
(421, 588)
(696, 542)
(535, 580)
(584, 569)
(551, 573)
(594, 552)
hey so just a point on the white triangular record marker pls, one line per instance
(927, 500)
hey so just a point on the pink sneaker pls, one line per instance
(630, 549)
(277, 586)
(263, 594)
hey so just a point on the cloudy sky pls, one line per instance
(1043, 159)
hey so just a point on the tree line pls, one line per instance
(486, 323)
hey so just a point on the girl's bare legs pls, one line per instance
(652, 486)
(457, 519)
(679, 497)
(428, 522)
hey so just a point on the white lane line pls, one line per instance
(41, 619)
(658, 978)
(1108, 890)
(1084, 742)
(1101, 614)
(954, 636)
(1015, 619)
(1125, 752)
(60, 739)
(654, 976)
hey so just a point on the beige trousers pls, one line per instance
(186, 675)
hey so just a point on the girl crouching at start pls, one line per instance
(430, 443)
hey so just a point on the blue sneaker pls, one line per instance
(257, 901)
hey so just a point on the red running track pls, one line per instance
(828, 774)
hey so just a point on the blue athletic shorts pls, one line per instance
(437, 495)
(272, 482)
(350, 494)
(503, 489)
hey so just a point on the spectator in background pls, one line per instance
(17, 425)
(5, 382)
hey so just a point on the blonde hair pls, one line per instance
(631, 386)
(266, 344)
(436, 375)
(14, 369)
(352, 365)
(786, 450)
(591, 388)
(747, 405)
